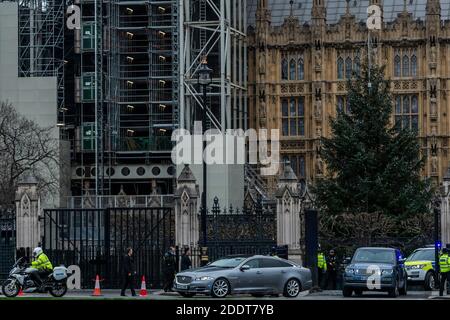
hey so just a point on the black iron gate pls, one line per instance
(251, 230)
(7, 241)
(96, 241)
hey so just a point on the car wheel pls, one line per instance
(186, 294)
(292, 288)
(393, 292)
(404, 290)
(220, 288)
(430, 281)
(347, 292)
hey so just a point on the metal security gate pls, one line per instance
(249, 231)
(7, 241)
(96, 240)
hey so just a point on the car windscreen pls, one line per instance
(422, 255)
(227, 263)
(374, 256)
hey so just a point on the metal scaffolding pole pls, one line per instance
(207, 28)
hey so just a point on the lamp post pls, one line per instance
(204, 80)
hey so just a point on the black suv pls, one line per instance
(375, 269)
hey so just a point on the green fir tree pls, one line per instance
(373, 166)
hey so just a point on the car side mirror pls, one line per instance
(245, 267)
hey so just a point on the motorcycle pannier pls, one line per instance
(59, 273)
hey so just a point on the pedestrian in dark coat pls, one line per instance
(186, 262)
(129, 273)
(169, 269)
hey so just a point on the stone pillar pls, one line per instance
(445, 209)
(288, 213)
(186, 213)
(28, 205)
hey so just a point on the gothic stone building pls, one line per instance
(302, 52)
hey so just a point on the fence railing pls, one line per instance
(118, 201)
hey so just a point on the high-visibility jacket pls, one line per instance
(444, 263)
(42, 263)
(321, 262)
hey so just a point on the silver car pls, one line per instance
(257, 275)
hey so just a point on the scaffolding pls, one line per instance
(215, 29)
(41, 42)
(128, 85)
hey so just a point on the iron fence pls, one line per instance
(7, 241)
(96, 240)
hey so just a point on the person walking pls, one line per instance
(332, 270)
(129, 272)
(444, 265)
(186, 262)
(169, 269)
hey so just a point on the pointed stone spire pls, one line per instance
(291, 3)
(433, 7)
(405, 8)
(186, 175)
(347, 9)
(319, 11)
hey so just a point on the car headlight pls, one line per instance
(417, 266)
(387, 271)
(204, 278)
(349, 270)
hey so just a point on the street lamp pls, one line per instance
(204, 80)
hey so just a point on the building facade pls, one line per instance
(302, 52)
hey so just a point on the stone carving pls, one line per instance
(434, 164)
(262, 62)
(318, 109)
(319, 166)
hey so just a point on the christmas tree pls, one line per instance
(373, 165)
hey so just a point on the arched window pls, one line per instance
(397, 69)
(300, 69)
(405, 68)
(340, 104)
(357, 65)
(284, 69)
(413, 65)
(301, 167)
(292, 70)
(348, 68)
(292, 120)
(285, 117)
(340, 68)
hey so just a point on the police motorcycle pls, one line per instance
(20, 278)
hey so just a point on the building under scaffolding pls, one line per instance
(41, 42)
(215, 29)
(124, 105)
(127, 79)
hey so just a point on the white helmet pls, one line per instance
(37, 252)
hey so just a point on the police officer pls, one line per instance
(444, 264)
(42, 265)
(169, 269)
(332, 270)
(321, 266)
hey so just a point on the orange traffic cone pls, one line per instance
(97, 291)
(20, 294)
(143, 292)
